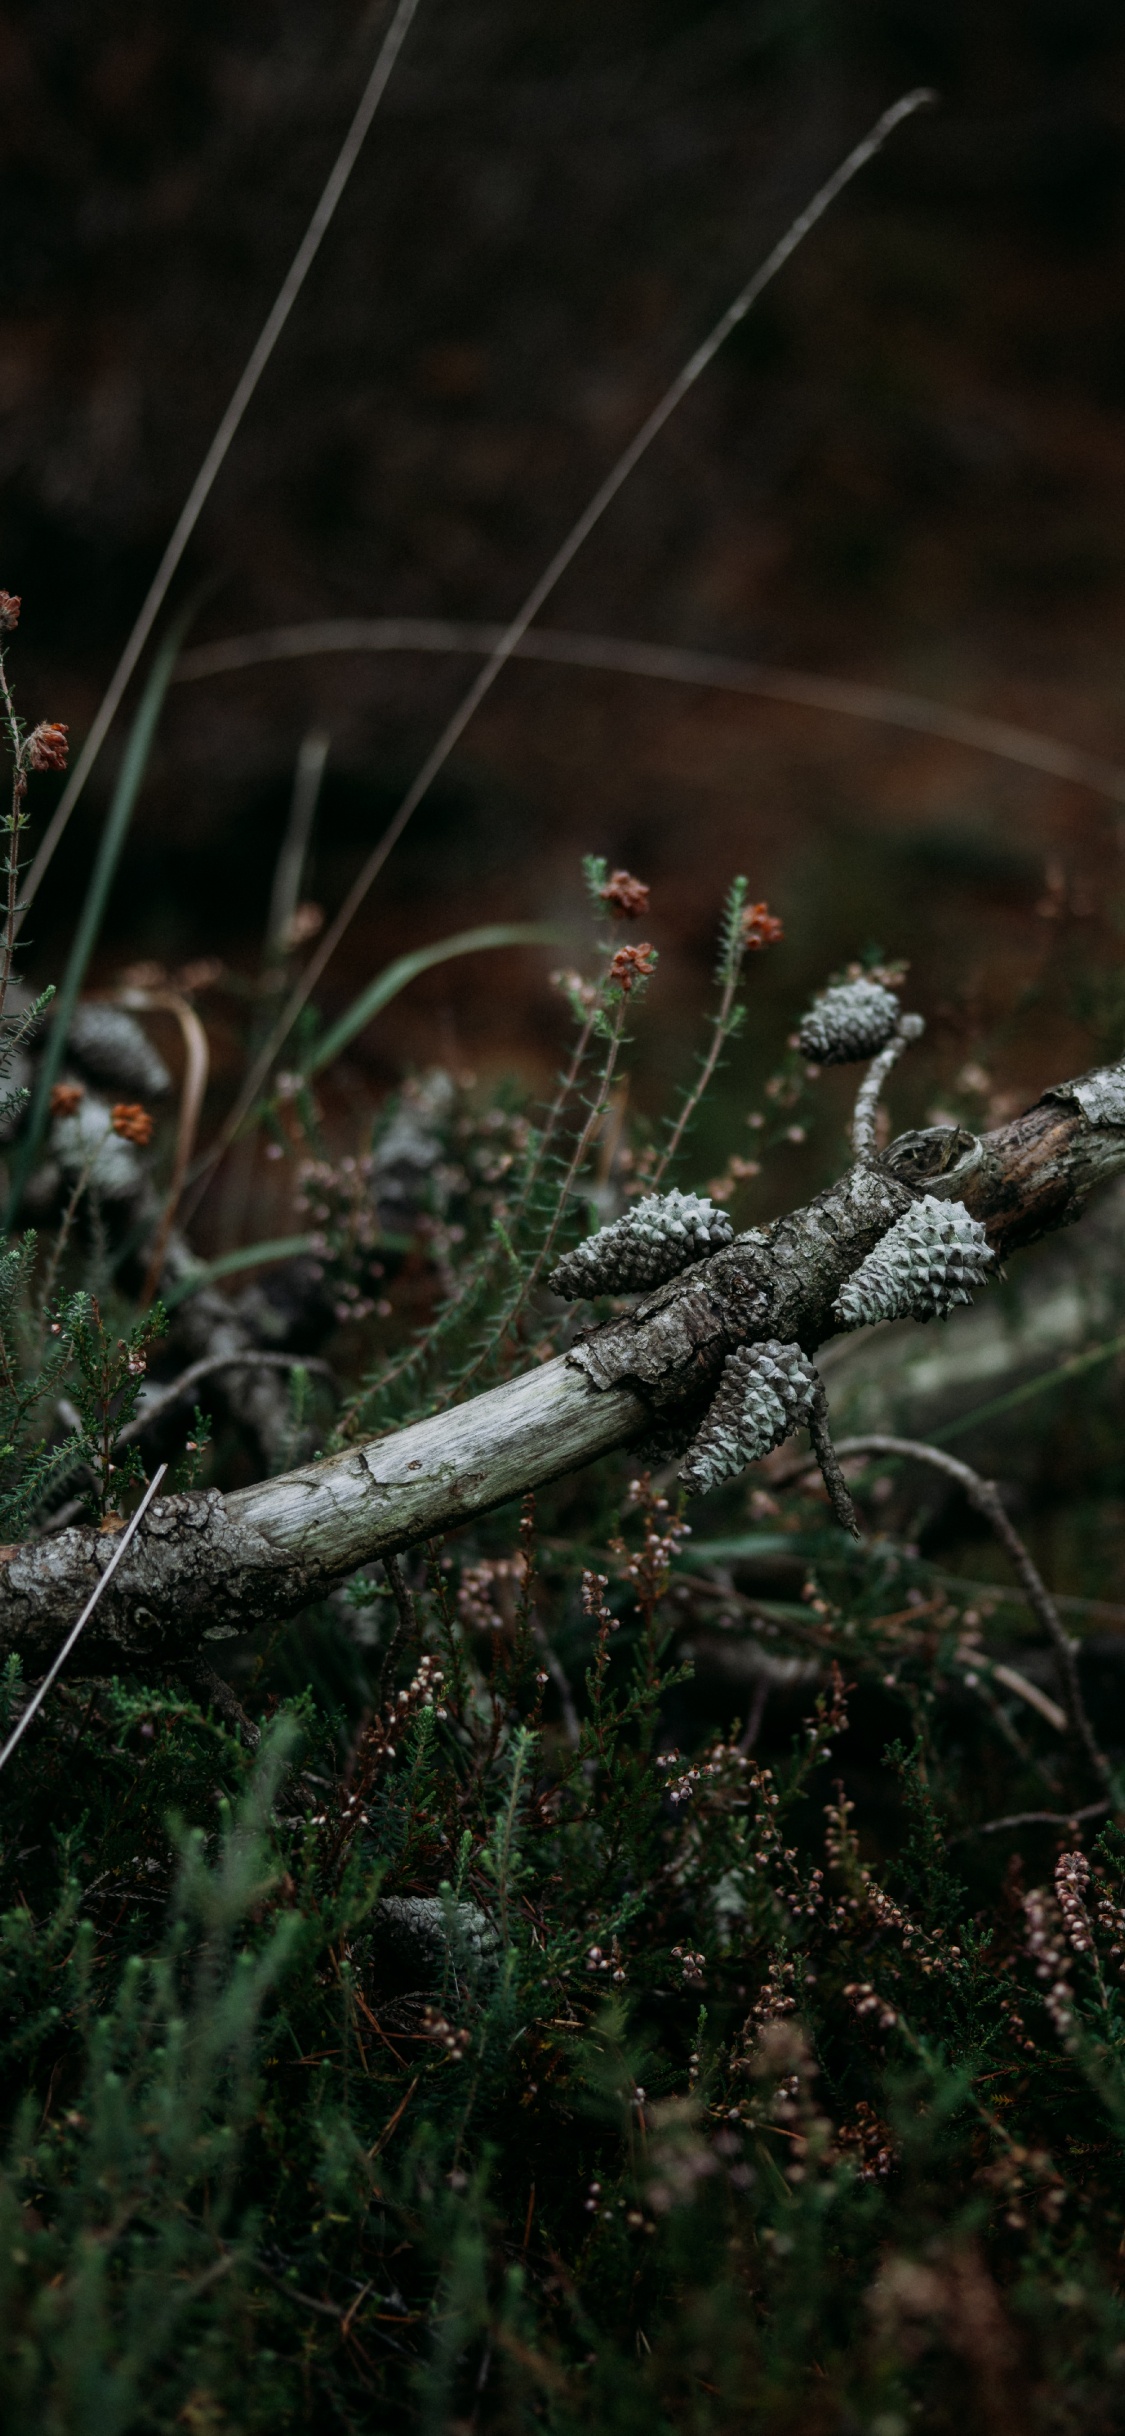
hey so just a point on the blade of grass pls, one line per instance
(114, 834)
(1073, 1368)
(394, 977)
(260, 1256)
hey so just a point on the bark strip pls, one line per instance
(206, 1566)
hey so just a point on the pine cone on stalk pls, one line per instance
(765, 1393)
(934, 1256)
(854, 1021)
(659, 1236)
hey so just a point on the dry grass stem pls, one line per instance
(227, 430)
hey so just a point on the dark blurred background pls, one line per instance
(907, 469)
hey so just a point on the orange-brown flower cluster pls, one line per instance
(9, 611)
(624, 896)
(632, 964)
(66, 1098)
(46, 746)
(132, 1122)
(760, 928)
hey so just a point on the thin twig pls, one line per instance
(983, 1494)
(1031, 1818)
(561, 1681)
(910, 1027)
(513, 634)
(828, 1459)
(120, 1545)
(249, 1359)
(406, 1625)
(205, 479)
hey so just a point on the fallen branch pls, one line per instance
(210, 1565)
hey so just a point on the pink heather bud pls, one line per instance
(47, 746)
(9, 611)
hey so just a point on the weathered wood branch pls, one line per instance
(206, 1565)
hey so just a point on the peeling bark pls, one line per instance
(205, 1566)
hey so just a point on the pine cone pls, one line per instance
(657, 1238)
(931, 1258)
(765, 1393)
(854, 1021)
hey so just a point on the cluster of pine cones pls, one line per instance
(930, 1260)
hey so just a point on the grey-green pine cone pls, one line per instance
(765, 1393)
(659, 1236)
(931, 1258)
(856, 1020)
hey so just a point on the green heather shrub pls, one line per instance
(578, 1981)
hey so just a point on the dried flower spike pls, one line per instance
(632, 964)
(624, 896)
(760, 928)
(931, 1258)
(46, 747)
(659, 1236)
(9, 612)
(66, 1098)
(856, 1020)
(765, 1393)
(132, 1122)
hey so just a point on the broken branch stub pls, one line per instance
(208, 1565)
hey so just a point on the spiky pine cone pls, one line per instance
(654, 1240)
(856, 1020)
(765, 1393)
(931, 1258)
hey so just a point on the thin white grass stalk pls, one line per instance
(670, 664)
(513, 634)
(205, 479)
(197, 1066)
(868, 1096)
(54, 1670)
(308, 778)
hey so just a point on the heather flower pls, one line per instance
(760, 928)
(132, 1122)
(624, 896)
(66, 1098)
(9, 611)
(46, 746)
(632, 964)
